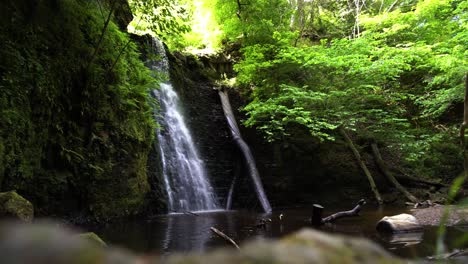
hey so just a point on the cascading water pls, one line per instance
(185, 177)
(248, 157)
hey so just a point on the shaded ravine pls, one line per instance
(185, 177)
(247, 154)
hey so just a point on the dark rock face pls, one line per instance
(205, 118)
(71, 143)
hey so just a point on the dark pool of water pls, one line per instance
(166, 234)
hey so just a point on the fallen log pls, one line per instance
(362, 165)
(386, 172)
(463, 127)
(354, 212)
(404, 177)
(225, 237)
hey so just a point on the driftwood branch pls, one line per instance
(354, 212)
(361, 164)
(450, 255)
(225, 237)
(386, 172)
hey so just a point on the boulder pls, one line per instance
(399, 224)
(47, 243)
(304, 246)
(13, 205)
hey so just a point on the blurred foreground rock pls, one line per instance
(305, 246)
(13, 205)
(44, 243)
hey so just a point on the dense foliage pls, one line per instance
(389, 70)
(76, 121)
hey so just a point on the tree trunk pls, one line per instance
(383, 167)
(462, 130)
(362, 165)
(103, 32)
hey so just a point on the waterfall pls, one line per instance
(248, 157)
(185, 177)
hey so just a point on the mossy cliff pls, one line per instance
(75, 116)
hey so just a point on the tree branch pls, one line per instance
(225, 237)
(362, 165)
(354, 212)
(103, 32)
(386, 172)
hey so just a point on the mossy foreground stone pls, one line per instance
(13, 205)
(305, 246)
(46, 243)
(39, 243)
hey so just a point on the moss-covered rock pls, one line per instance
(75, 114)
(49, 244)
(306, 246)
(13, 205)
(45, 243)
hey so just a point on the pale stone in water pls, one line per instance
(399, 223)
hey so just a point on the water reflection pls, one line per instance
(403, 239)
(186, 233)
(166, 234)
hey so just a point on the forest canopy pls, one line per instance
(388, 70)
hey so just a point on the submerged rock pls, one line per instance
(13, 205)
(93, 238)
(398, 224)
(46, 243)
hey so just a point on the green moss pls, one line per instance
(76, 122)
